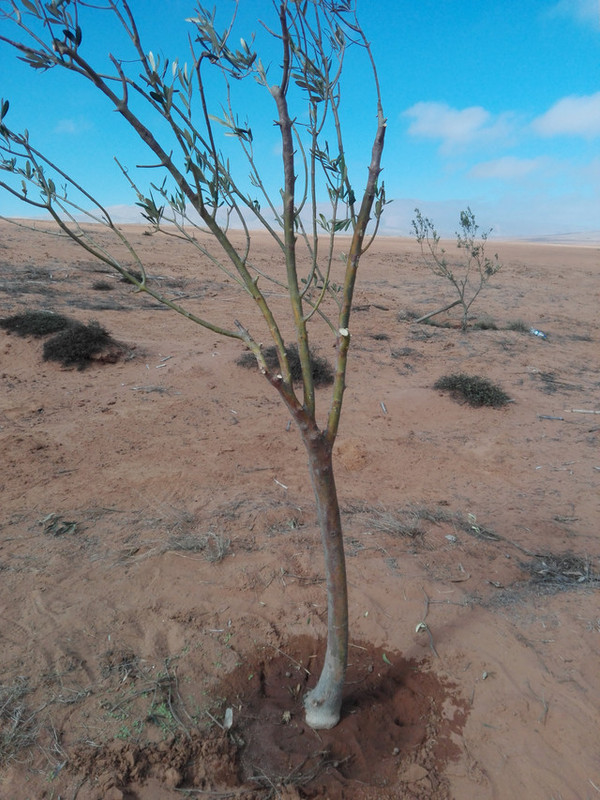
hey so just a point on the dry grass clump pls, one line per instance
(35, 323)
(321, 369)
(475, 390)
(407, 315)
(76, 345)
(408, 521)
(213, 546)
(485, 324)
(519, 326)
(402, 522)
(18, 725)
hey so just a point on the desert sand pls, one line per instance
(160, 561)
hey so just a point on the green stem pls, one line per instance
(352, 261)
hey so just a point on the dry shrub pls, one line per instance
(35, 323)
(321, 369)
(519, 326)
(485, 324)
(475, 390)
(78, 344)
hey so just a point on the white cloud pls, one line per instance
(440, 121)
(507, 168)
(591, 172)
(71, 127)
(571, 116)
(583, 11)
(456, 128)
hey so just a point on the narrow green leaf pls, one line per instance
(223, 122)
(323, 223)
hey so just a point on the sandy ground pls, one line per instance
(160, 561)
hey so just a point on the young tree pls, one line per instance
(171, 108)
(468, 276)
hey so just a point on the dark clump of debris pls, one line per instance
(322, 371)
(562, 571)
(475, 390)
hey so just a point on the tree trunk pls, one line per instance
(323, 703)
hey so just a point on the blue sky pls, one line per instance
(495, 106)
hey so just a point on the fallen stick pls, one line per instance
(439, 311)
(580, 411)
